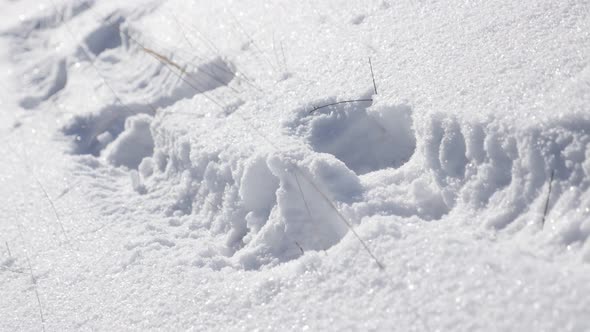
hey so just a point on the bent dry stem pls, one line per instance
(368, 100)
(547, 200)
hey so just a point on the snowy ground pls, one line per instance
(165, 165)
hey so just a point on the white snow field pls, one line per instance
(169, 165)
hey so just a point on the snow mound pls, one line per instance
(269, 206)
(132, 145)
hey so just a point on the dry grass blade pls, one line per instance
(34, 281)
(251, 41)
(373, 75)
(8, 248)
(91, 60)
(4, 268)
(302, 196)
(162, 58)
(182, 69)
(284, 57)
(211, 46)
(300, 248)
(343, 219)
(43, 190)
(547, 200)
(341, 102)
(57, 217)
(192, 85)
(305, 202)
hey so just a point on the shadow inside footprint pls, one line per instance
(93, 132)
(46, 80)
(366, 141)
(105, 37)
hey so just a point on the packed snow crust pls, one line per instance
(168, 165)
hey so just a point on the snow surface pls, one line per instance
(166, 165)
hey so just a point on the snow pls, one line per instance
(132, 145)
(170, 165)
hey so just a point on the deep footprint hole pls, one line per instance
(93, 132)
(364, 141)
(106, 37)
